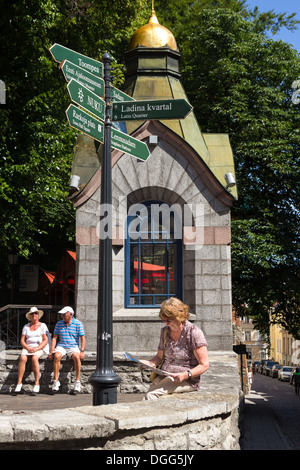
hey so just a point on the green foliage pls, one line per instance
(238, 80)
(36, 143)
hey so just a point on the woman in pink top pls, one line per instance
(185, 352)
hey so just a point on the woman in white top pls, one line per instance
(33, 340)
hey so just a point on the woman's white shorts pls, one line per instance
(38, 353)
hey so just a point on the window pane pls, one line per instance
(153, 262)
(153, 268)
(172, 269)
(134, 273)
(146, 300)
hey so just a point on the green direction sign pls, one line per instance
(87, 79)
(151, 110)
(119, 96)
(87, 99)
(94, 128)
(85, 123)
(129, 145)
(90, 81)
(61, 53)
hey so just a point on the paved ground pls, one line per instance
(26, 402)
(271, 416)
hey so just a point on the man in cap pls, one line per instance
(68, 332)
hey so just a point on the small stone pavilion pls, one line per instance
(171, 224)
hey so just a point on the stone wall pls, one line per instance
(204, 420)
(186, 422)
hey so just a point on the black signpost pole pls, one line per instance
(104, 379)
(241, 350)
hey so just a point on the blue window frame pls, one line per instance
(153, 257)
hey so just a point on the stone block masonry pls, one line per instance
(204, 420)
(187, 422)
(173, 175)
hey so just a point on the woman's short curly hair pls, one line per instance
(174, 309)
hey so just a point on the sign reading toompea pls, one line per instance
(61, 53)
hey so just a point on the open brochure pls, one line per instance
(138, 361)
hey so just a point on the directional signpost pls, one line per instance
(129, 145)
(85, 123)
(104, 379)
(87, 99)
(84, 77)
(86, 89)
(151, 110)
(61, 53)
(87, 79)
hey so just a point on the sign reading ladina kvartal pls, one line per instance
(151, 110)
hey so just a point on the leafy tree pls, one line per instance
(239, 82)
(36, 146)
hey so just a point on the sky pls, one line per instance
(281, 6)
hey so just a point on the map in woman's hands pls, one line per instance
(145, 366)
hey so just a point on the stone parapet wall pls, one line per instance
(204, 420)
(190, 421)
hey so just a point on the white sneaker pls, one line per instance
(77, 386)
(36, 389)
(56, 385)
(18, 388)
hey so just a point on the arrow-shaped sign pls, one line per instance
(151, 110)
(83, 69)
(87, 99)
(87, 79)
(94, 128)
(118, 96)
(61, 53)
(85, 123)
(90, 81)
(129, 145)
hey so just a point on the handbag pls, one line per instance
(159, 365)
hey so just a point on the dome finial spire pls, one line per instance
(152, 34)
(153, 17)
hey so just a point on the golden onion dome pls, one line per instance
(153, 34)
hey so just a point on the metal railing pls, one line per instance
(12, 320)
